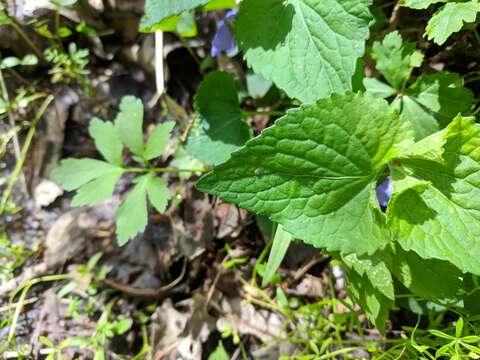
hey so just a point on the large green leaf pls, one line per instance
(73, 173)
(315, 171)
(106, 140)
(132, 215)
(158, 10)
(395, 58)
(441, 217)
(219, 129)
(129, 122)
(309, 48)
(450, 19)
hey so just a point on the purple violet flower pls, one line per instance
(384, 192)
(223, 41)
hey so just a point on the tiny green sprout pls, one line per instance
(94, 180)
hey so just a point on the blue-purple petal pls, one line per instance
(223, 41)
(384, 192)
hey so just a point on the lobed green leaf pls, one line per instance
(106, 140)
(129, 124)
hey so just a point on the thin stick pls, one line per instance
(21, 300)
(18, 166)
(11, 118)
(25, 37)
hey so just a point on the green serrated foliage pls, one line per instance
(98, 190)
(315, 170)
(73, 173)
(106, 140)
(308, 48)
(378, 88)
(158, 140)
(395, 58)
(158, 10)
(375, 304)
(132, 215)
(445, 221)
(431, 101)
(443, 94)
(129, 124)
(158, 193)
(281, 242)
(450, 19)
(219, 129)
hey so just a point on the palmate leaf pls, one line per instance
(128, 124)
(94, 179)
(315, 170)
(308, 48)
(395, 58)
(158, 140)
(73, 173)
(158, 193)
(445, 223)
(132, 215)
(106, 140)
(98, 190)
(443, 94)
(219, 129)
(431, 101)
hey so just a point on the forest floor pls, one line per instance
(192, 280)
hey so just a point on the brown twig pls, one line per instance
(146, 293)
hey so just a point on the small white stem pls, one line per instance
(159, 63)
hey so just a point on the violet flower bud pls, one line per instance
(223, 41)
